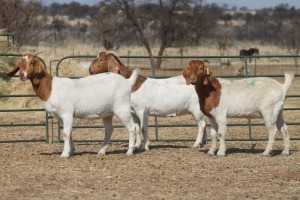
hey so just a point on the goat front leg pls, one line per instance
(67, 135)
(143, 116)
(202, 136)
(108, 132)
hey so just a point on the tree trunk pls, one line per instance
(159, 60)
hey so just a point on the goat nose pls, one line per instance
(193, 79)
(22, 76)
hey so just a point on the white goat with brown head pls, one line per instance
(168, 97)
(99, 96)
(245, 98)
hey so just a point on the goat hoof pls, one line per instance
(221, 154)
(101, 152)
(65, 155)
(145, 148)
(195, 145)
(266, 154)
(285, 153)
(210, 154)
(129, 153)
(202, 145)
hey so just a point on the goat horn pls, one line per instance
(39, 53)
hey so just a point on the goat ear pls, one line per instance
(186, 76)
(208, 76)
(112, 64)
(38, 65)
(13, 71)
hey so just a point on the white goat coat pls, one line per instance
(97, 96)
(249, 97)
(94, 96)
(166, 97)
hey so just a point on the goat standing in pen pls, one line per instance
(168, 97)
(99, 96)
(245, 98)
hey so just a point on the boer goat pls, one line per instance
(156, 97)
(245, 98)
(99, 96)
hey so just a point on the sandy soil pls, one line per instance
(167, 171)
(170, 170)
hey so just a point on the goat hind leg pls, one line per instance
(272, 133)
(108, 132)
(143, 116)
(282, 127)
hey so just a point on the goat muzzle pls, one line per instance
(193, 79)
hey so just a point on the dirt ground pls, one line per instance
(170, 170)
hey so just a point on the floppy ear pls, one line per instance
(38, 65)
(186, 75)
(113, 64)
(13, 71)
(208, 74)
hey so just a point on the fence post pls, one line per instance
(155, 118)
(247, 76)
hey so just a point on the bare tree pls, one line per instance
(291, 39)
(223, 39)
(110, 27)
(166, 17)
(23, 19)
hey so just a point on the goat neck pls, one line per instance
(209, 95)
(42, 84)
(118, 67)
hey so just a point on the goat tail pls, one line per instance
(289, 76)
(134, 76)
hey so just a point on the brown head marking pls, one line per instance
(207, 87)
(30, 67)
(110, 62)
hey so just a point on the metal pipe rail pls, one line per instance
(156, 125)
